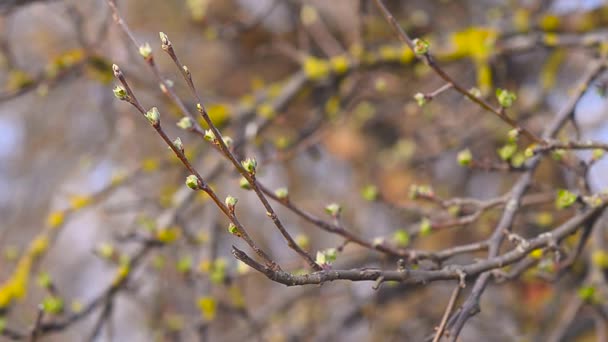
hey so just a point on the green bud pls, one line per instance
(529, 151)
(420, 99)
(184, 264)
(558, 154)
(401, 238)
(425, 227)
(475, 92)
(120, 93)
(116, 70)
(505, 97)
(465, 157)
(421, 46)
(326, 257)
(164, 40)
(250, 165)
(518, 159)
(507, 151)
(192, 182)
(420, 190)
(370, 193)
(333, 209)
(185, 123)
(587, 293)
(232, 229)
(378, 241)
(594, 201)
(209, 135)
(230, 201)
(281, 193)
(153, 116)
(564, 199)
(52, 305)
(227, 141)
(178, 144)
(44, 280)
(513, 135)
(145, 50)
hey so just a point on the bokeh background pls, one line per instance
(88, 173)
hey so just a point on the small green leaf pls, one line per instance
(425, 227)
(370, 193)
(192, 182)
(505, 97)
(421, 46)
(586, 293)
(185, 123)
(52, 305)
(282, 193)
(401, 238)
(184, 264)
(507, 151)
(565, 199)
(333, 209)
(465, 157)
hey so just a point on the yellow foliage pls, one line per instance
(79, 201)
(247, 101)
(356, 51)
(118, 178)
(315, 68)
(549, 22)
(208, 307)
(150, 164)
(166, 195)
(257, 83)
(198, 9)
(55, 219)
(168, 235)
(39, 245)
(266, 111)
(550, 39)
(274, 89)
(549, 72)
(236, 296)
(475, 42)
(600, 258)
(389, 53)
(536, 254)
(406, 55)
(521, 20)
(544, 219)
(100, 69)
(332, 106)
(308, 15)
(68, 59)
(16, 286)
(219, 113)
(121, 274)
(339, 64)
(484, 77)
(17, 80)
(205, 266)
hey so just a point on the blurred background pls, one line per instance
(84, 179)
